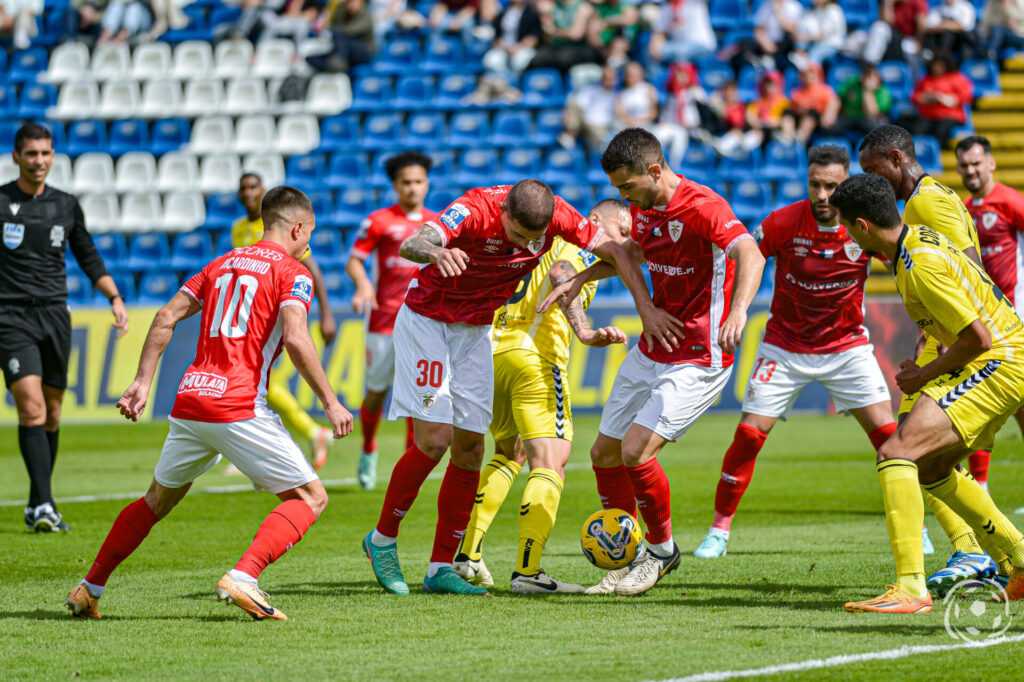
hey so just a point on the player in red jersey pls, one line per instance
(253, 299)
(998, 212)
(705, 268)
(383, 232)
(815, 332)
(473, 259)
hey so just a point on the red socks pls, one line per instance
(881, 434)
(978, 462)
(409, 473)
(454, 506)
(370, 421)
(615, 488)
(650, 488)
(283, 527)
(738, 468)
(130, 528)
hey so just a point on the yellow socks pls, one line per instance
(958, 530)
(495, 481)
(904, 514)
(280, 400)
(536, 518)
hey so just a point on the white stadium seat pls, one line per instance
(245, 95)
(183, 211)
(328, 94)
(297, 133)
(102, 213)
(219, 173)
(119, 99)
(141, 212)
(269, 166)
(60, 173)
(152, 60)
(203, 97)
(136, 172)
(111, 61)
(212, 134)
(160, 98)
(69, 62)
(177, 171)
(94, 172)
(233, 59)
(192, 59)
(273, 58)
(76, 99)
(255, 134)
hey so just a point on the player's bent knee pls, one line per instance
(605, 457)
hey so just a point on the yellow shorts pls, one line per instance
(531, 398)
(928, 353)
(979, 398)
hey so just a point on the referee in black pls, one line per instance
(39, 222)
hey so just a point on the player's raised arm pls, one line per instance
(562, 272)
(303, 354)
(182, 306)
(426, 245)
(749, 268)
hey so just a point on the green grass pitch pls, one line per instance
(809, 536)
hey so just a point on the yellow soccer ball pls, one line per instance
(611, 538)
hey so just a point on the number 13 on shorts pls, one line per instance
(763, 370)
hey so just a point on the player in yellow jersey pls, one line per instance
(888, 151)
(966, 393)
(532, 412)
(249, 230)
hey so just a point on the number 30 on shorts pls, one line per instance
(431, 373)
(769, 369)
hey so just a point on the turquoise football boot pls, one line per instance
(447, 581)
(713, 547)
(384, 561)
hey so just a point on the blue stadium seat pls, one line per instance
(372, 93)
(740, 167)
(26, 65)
(727, 13)
(156, 288)
(443, 161)
(338, 283)
(346, 170)
(784, 161)
(840, 72)
(60, 137)
(8, 101)
(790, 192)
(735, 35)
(222, 210)
(443, 54)
(306, 172)
(441, 197)
(411, 92)
(517, 164)
(751, 201)
(8, 129)
(746, 83)
(790, 80)
(451, 89)
(352, 207)
(547, 127)
(468, 129)
(897, 77)
(129, 135)
(85, 136)
(79, 289)
(699, 164)
(125, 286)
(713, 73)
(543, 88)
(476, 166)
(191, 251)
(222, 245)
(424, 131)
(339, 133)
(148, 251)
(985, 74)
(382, 131)
(837, 142)
(170, 135)
(222, 17)
(326, 244)
(378, 176)
(563, 166)
(929, 153)
(397, 56)
(604, 190)
(510, 129)
(323, 208)
(36, 98)
(595, 174)
(113, 247)
(473, 56)
(52, 26)
(198, 27)
(860, 13)
(579, 195)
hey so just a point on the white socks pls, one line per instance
(434, 567)
(242, 577)
(381, 540)
(662, 549)
(95, 591)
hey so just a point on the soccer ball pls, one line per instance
(611, 539)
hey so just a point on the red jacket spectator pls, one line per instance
(943, 94)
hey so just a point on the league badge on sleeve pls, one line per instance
(454, 216)
(13, 234)
(303, 288)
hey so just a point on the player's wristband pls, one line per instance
(111, 299)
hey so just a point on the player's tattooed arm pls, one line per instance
(562, 272)
(426, 246)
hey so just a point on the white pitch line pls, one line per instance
(846, 659)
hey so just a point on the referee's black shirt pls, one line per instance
(36, 231)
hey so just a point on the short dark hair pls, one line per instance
(885, 138)
(531, 203)
(609, 205)
(396, 163)
(827, 155)
(869, 197)
(968, 142)
(633, 148)
(30, 131)
(250, 174)
(281, 200)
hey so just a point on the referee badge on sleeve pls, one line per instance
(13, 234)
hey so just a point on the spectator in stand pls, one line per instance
(461, 16)
(590, 113)
(775, 27)
(1002, 26)
(637, 103)
(682, 32)
(351, 29)
(90, 14)
(680, 117)
(949, 27)
(764, 115)
(726, 117)
(517, 33)
(819, 34)
(896, 35)
(123, 19)
(564, 41)
(18, 20)
(612, 30)
(814, 105)
(940, 98)
(389, 14)
(167, 14)
(269, 18)
(865, 102)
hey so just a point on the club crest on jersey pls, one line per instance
(988, 220)
(454, 216)
(675, 229)
(13, 234)
(57, 236)
(537, 245)
(427, 400)
(303, 288)
(15, 208)
(853, 251)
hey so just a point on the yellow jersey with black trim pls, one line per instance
(517, 323)
(245, 232)
(944, 291)
(937, 206)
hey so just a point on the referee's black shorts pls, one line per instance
(35, 340)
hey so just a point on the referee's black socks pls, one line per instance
(53, 437)
(35, 450)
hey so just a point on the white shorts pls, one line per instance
(380, 361)
(662, 397)
(261, 448)
(444, 373)
(852, 376)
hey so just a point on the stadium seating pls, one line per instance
(87, 136)
(141, 211)
(135, 172)
(510, 128)
(190, 252)
(467, 128)
(184, 211)
(424, 131)
(94, 172)
(219, 173)
(148, 251)
(306, 172)
(352, 207)
(156, 288)
(517, 164)
(26, 65)
(222, 210)
(102, 211)
(562, 166)
(125, 286)
(128, 135)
